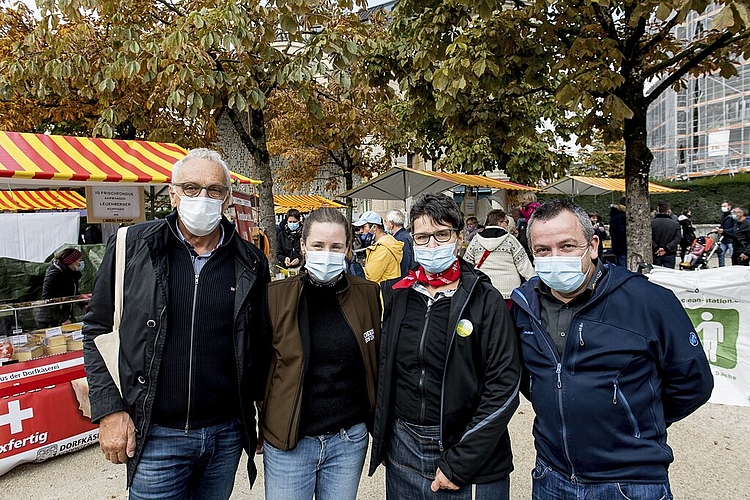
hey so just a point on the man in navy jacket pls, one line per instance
(610, 359)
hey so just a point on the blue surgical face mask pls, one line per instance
(293, 226)
(437, 259)
(735, 216)
(563, 274)
(325, 266)
(80, 266)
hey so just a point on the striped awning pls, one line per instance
(480, 181)
(302, 202)
(577, 185)
(49, 160)
(41, 200)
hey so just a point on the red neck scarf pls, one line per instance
(442, 278)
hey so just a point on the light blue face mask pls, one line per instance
(293, 226)
(563, 274)
(437, 259)
(80, 266)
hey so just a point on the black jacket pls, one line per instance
(728, 225)
(407, 256)
(143, 328)
(480, 383)
(617, 230)
(741, 239)
(59, 281)
(665, 233)
(288, 244)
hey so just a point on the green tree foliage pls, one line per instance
(330, 130)
(604, 160)
(164, 70)
(489, 66)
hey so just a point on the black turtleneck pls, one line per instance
(334, 394)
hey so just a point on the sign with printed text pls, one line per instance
(717, 302)
(115, 204)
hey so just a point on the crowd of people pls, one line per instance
(427, 354)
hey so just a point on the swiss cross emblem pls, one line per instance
(15, 416)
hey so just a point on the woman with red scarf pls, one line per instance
(449, 371)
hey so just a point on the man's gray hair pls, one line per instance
(551, 209)
(397, 217)
(202, 154)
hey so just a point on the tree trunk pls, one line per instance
(265, 191)
(638, 159)
(348, 184)
(255, 142)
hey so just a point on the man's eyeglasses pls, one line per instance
(192, 189)
(442, 236)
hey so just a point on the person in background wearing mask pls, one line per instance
(450, 371)
(741, 247)
(611, 359)
(194, 343)
(383, 256)
(60, 280)
(726, 230)
(288, 251)
(394, 225)
(323, 377)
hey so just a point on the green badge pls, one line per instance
(464, 328)
(718, 330)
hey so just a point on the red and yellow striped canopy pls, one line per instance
(41, 200)
(302, 202)
(59, 159)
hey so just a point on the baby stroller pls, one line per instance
(700, 252)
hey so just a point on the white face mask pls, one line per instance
(563, 274)
(201, 215)
(325, 266)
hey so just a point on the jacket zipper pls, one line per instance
(190, 361)
(558, 372)
(628, 410)
(447, 353)
(422, 369)
(151, 366)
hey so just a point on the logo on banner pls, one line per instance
(15, 416)
(718, 330)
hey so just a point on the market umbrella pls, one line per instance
(577, 185)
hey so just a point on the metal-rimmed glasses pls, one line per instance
(193, 189)
(441, 236)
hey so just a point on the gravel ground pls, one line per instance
(712, 450)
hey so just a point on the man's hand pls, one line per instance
(294, 263)
(743, 257)
(287, 262)
(117, 437)
(442, 482)
(660, 252)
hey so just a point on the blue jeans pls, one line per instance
(328, 466)
(724, 250)
(412, 462)
(548, 484)
(197, 465)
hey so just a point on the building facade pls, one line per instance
(704, 128)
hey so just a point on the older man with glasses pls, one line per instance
(194, 343)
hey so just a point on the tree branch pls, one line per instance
(670, 80)
(660, 36)
(688, 52)
(171, 6)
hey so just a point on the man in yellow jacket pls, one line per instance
(383, 261)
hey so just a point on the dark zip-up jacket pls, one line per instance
(360, 305)
(631, 366)
(665, 233)
(479, 387)
(143, 328)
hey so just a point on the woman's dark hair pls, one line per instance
(293, 212)
(327, 214)
(65, 253)
(685, 211)
(438, 207)
(495, 217)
